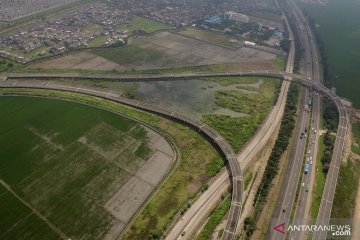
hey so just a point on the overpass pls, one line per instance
(9, 81)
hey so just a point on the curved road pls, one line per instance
(237, 184)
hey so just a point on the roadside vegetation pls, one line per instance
(320, 180)
(346, 189)
(182, 185)
(215, 218)
(6, 65)
(348, 180)
(285, 44)
(355, 148)
(286, 130)
(331, 121)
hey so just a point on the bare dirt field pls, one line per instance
(172, 50)
(188, 51)
(79, 60)
(127, 200)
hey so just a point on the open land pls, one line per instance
(221, 39)
(69, 165)
(162, 50)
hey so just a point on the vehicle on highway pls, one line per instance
(306, 168)
(307, 189)
(311, 162)
(303, 184)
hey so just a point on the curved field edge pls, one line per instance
(181, 186)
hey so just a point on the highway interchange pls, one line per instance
(236, 181)
(187, 225)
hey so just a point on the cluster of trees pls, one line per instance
(299, 50)
(330, 115)
(286, 129)
(329, 141)
(5, 65)
(331, 122)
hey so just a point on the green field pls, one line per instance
(144, 24)
(129, 55)
(339, 27)
(65, 160)
(256, 103)
(197, 157)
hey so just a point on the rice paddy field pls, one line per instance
(60, 162)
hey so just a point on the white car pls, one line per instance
(309, 151)
(307, 159)
(310, 158)
(310, 162)
(303, 184)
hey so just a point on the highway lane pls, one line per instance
(287, 195)
(331, 179)
(311, 69)
(286, 199)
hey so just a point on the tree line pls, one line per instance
(271, 170)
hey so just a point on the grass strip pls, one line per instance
(215, 218)
(320, 178)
